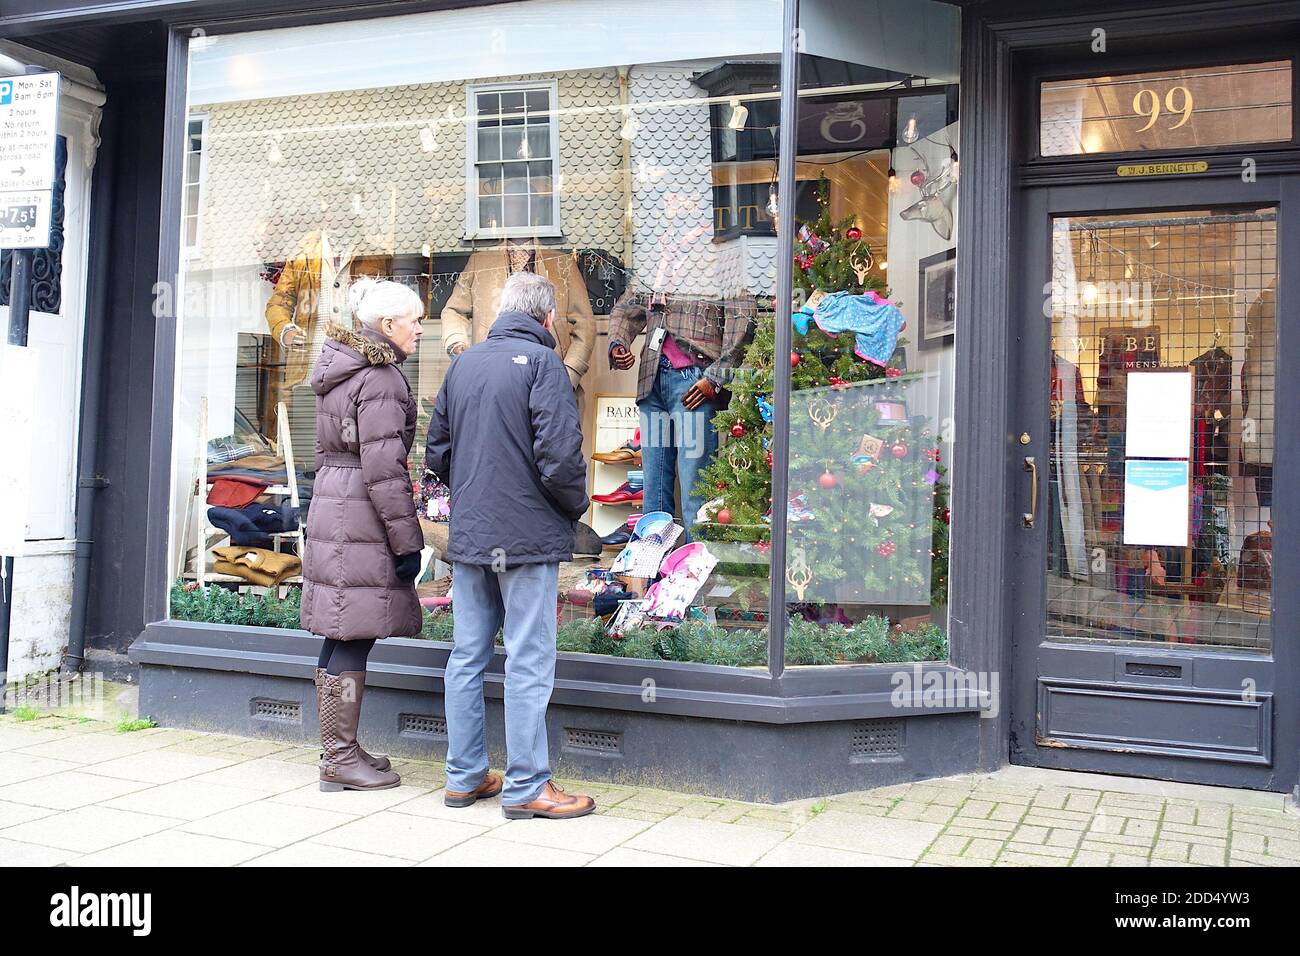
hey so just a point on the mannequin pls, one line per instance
(1259, 395)
(473, 305)
(312, 292)
(690, 347)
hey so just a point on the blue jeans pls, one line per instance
(523, 600)
(675, 443)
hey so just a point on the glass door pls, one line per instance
(1149, 480)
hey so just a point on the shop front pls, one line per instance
(924, 512)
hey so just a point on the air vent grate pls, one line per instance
(280, 711)
(423, 725)
(876, 739)
(602, 742)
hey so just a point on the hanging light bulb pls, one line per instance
(910, 132)
(428, 138)
(893, 180)
(273, 155)
(739, 114)
(884, 264)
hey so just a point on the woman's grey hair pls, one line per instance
(373, 301)
(530, 293)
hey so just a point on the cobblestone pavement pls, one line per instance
(81, 791)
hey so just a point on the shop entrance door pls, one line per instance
(1153, 448)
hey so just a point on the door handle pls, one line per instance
(1031, 466)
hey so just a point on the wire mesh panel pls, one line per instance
(1160, 472)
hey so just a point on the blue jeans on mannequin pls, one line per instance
(676, 443)
(520, 601)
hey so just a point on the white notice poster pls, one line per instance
(17, 392)
(1156, 503)
(1159, 415)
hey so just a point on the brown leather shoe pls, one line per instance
(553, 804)
(490, 787)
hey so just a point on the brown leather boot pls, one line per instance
(378, 761)
(490, 787)
(340, 712)
(553, 804)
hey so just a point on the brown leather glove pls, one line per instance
(699, 393)
(622, 357)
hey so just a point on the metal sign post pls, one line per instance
(29, 113)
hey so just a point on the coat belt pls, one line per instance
(341, 459)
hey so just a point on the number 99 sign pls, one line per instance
(1146, 103)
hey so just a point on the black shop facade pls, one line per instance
(1007, 351)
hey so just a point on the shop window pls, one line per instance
(191, 220)
(873, 338)
(513, 153)
(447, 174)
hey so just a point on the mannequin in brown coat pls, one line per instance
(476, 300)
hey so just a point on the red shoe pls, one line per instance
(621, 495)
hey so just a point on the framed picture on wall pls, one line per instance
(937, 296)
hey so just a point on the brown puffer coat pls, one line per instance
(362, 512)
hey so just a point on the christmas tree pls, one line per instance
(864, 484)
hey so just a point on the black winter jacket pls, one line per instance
(505, 438)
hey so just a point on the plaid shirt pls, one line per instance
(713, 332)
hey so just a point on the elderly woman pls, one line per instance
(363, 536)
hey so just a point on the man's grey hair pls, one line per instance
(530, 293)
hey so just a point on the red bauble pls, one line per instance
(917, 177)
(769, 461)
(795, 359)
(899, 450)
(892, 372)
(721, 486)
(827, 480)
(853, 233)
(723, 516)
(947, 516)
(738, 430)
(886, 548)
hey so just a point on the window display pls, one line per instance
(526, 145)
(870, 411)
(647, 195)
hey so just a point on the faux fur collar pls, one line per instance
(374, 350)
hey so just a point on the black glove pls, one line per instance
(408, 566)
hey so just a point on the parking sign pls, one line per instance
(29, 115)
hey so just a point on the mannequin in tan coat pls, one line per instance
(474, 302)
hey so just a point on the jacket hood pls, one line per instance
(347, 352)
(520, 325)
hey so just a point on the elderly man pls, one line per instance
(505, 436)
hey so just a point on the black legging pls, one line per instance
(338, 657)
